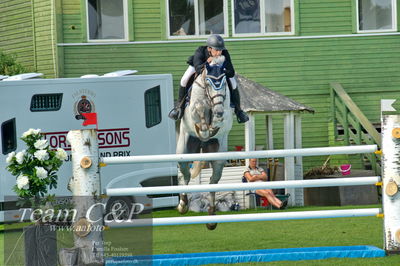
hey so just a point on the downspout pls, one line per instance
(53, 40)
(33, 35)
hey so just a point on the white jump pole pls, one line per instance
(244, 186)
(240, 155)
(245, 217)
(391, 175)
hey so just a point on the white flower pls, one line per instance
(41, 144)
(23, 182)
(61, 154)
(20, 156)
(41, 155)
(31, 131)
(10, 157)
(27, 133)
(41, 172)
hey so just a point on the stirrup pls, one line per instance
(176, 113)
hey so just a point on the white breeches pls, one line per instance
(190, 71)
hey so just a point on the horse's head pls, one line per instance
(213, 101)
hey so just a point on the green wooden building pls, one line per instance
(295, 47)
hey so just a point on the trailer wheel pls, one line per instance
(119, 208)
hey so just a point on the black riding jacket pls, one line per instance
(200, 57)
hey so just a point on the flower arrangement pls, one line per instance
(36, 167)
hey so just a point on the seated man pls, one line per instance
(215, 47)
(253, 173)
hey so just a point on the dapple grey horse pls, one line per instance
(205, 125)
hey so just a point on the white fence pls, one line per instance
(246, 217)
(138, 191)
(240, 155)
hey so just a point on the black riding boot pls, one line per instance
(241, 115)
(177, 112)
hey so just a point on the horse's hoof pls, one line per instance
(211, 211)
(182, 209)
(211, 226)
(183, 206)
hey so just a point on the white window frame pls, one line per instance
(197, 24)
(262, 22)
(126, 25)
(394, 19)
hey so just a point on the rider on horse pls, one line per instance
(215, 47)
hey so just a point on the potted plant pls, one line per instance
(35, 169)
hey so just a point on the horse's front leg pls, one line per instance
(218, 166)
(183, 205)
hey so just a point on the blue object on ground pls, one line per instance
(262, 255)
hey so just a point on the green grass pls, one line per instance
(265, 235)
(259, 235)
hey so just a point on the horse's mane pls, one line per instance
(218, 60)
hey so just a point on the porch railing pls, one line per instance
(357, 129)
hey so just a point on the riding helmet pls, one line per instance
(215, 41)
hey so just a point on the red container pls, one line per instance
(345, 169)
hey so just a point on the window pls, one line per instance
(152, 106)
(107, 19)
(158, 182)
(46, 102)
(8, 136)
(376, 15)
(196, 17)
(262, 17)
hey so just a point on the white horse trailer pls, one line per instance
(132, 120)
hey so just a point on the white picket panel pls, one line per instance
(229, 175)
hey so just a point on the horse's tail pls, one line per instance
(196, 169)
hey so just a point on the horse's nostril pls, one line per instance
(219, 114)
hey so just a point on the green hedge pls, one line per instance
(9, 65)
